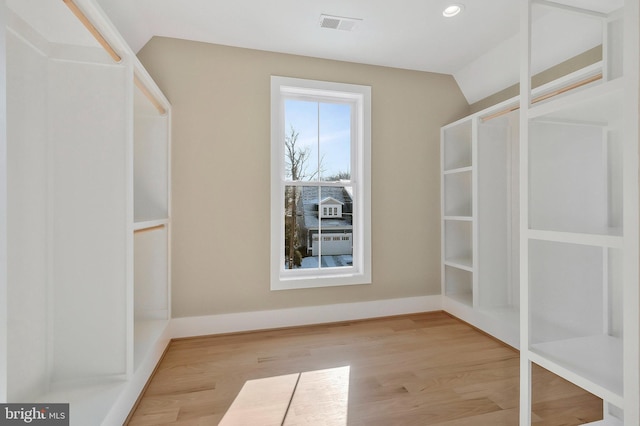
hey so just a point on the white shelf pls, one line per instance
(146, 224)
(468, 169)
(598, 104)
(609, 238)
(456, 146)
(458, 240)
(466, 298)
(459, 218)
(460, 263)
(593, 363)
(612, 421)
(458, 280)
(458, 195)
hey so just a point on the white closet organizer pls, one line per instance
(479, 221)
(477, 226)
(457, 211)
(481, 200)
(85, 155)
(579, 222)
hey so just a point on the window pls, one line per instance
(320, 154)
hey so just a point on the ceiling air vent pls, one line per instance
(338, 22)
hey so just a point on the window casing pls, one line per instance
(293, 200)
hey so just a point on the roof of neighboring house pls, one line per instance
(309, 206)
(331, 200)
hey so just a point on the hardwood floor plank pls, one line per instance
(321, 398)
(156, 417)
(262, 401)
(422, 369)
(508, 417)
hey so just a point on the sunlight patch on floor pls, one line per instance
(310, 397)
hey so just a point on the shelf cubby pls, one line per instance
(457, 146)
(575, 298)
(458, 244)
(458, 194)
(151, 160)
(592, 362)
(575, 178)
(151, 254)
(458, 284)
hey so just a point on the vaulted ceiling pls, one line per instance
(479, 47)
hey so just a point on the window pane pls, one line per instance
(317, 140)
(293, 239)
(334, 245)
(335, 141)
(301, 140)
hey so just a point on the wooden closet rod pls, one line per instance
(153, 228)
(148, 94)
(111, 51)
(546, 96)
(92, 29)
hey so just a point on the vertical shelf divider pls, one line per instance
(525, 102)
(474, 209)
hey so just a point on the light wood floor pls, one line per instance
(424, 369)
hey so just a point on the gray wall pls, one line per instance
(221, 151)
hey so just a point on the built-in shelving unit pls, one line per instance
(478, 164)
(457, 211)
(540, 218)
(88, 212)
(481, 230)
(579, 222)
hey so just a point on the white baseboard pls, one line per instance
(134, 387)
(260, 320)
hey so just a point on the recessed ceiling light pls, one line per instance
(452, 10)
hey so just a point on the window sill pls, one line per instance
(333, 280)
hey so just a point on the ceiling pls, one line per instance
(409, 34)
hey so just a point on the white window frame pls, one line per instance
(283, 88)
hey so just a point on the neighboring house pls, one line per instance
(327, 217)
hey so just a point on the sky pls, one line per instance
(332, 123)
